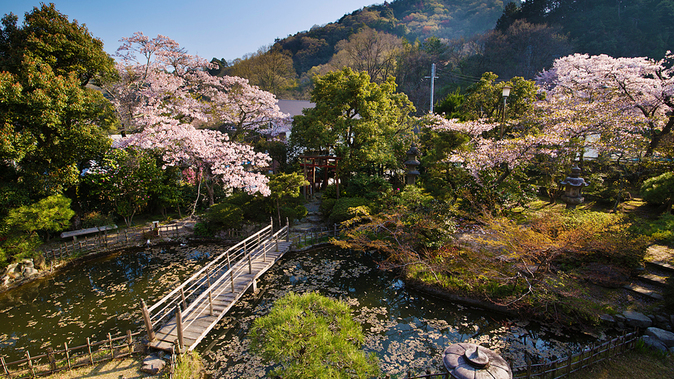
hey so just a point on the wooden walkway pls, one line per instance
(186, 315)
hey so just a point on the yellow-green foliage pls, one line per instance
(189, 366)
(581, 234)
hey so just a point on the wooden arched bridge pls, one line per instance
(186, 315)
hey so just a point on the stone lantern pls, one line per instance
(412, 164)
(467, 360)
(573, 186)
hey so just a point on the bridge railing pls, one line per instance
(197, 286)
(225, 283)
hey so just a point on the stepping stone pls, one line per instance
(637, 320)
(644, 291)
(654, 278)
(662, 265)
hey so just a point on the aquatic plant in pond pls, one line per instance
(92, 298)
(407, 330)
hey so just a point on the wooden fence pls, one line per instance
(565, 366)
(53, 361)
(109, 241)
(562, 367)
(314, 236)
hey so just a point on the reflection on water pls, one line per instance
(92, 298)
(406, 329)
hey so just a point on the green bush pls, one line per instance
(330, 192)
(201, 229)
(326, 206)
(661, 229)
(224, 216)
(293, 212)
(312, 336)
(340, 212)
(369, 187)
(95, 218)
(659, 190)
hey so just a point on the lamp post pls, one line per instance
(506, 93)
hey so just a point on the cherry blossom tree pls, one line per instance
(630, 99)
(620, 107)
(209, 152)
(162, 84)
(245, 108)
(165, 94)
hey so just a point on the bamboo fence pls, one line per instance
(52, 361)
(110, 241)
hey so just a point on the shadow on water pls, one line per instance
(92, 298)
(408, 330)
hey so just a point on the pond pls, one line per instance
(406, 329)
(92, 298)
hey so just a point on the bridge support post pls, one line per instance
(148, 321)
(210, 301)
(254, 285)
(287, 231)
(179, 325)
(182, 297)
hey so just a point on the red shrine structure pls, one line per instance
(327, 163)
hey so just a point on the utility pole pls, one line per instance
(432, 77)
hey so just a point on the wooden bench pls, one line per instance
(83, 232)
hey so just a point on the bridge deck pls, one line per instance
(198, 320)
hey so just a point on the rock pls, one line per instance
(664, 336)
(637, 320)
(671, 319)
(607, 318)
(619, 318)
(28, 271)
(12, 270)
(654, 343)
(152, 365)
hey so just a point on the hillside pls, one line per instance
(410, 19)
(464, 38)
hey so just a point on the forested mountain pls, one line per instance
(464, 38)
(617, 28)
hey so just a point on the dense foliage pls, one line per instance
(312, 336)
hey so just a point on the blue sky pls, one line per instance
(221, 29)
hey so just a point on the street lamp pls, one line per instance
(506, 93)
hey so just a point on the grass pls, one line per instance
(635, 364)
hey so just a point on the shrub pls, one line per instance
(224, 216)
(312, 336)
(340, 212)
(661, 229)
(326, 206)
(369, 187)
(201, 230)
(659, 190)
(93, 219)
(293, 212)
